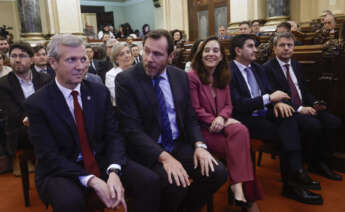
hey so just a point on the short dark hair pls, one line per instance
(157, 34)
(253, 21)
(245, 22)
(278, 36)
(24, 46)
(176, 30)
(3, 38)
(238, 41)
(88, 47)
(38, 48)
(285, 25)
(222, 74)
(134, 45)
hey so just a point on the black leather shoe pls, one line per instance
(232, 200)
(301, 194)
(323, 170)
(302, 178)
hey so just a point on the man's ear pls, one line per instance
(171, 56)
(53, 63)
(238, 51)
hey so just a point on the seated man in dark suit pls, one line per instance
(41, 61)
(163, 134)
(79, 149)
(285, 74)
(136, 54)
(15, 87)
(260, 108)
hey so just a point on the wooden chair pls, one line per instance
(25, 156)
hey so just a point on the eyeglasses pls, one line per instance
(21, 56)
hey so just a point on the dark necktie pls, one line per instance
(296, 101)
(167, 139)
(89, 159)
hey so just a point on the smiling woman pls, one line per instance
(225, 136)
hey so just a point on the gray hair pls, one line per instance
(62, 40)
(287, 35)
(111, 42)
(115, 51)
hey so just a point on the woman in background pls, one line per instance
(210, 94)
(122, 59)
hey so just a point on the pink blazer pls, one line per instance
(203, 100)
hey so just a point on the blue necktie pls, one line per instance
(254, 87)
(252, 82)
(167, 138)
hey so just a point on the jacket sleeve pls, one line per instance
(226, 111)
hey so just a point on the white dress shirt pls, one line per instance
(67, 93)
(27, 87)
(293, 77)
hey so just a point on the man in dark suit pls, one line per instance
(136, 54)
(14, 89)
(261, 109)
(41, 61)
(79, 149)
(313, 119)
(90, 53)
(163, 134)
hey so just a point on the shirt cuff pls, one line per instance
(266, 99)
(115, 166)
(85, 179)
(299, 109)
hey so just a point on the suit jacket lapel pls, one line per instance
(279, 74)
(174, 85)
(147, 86)
(16, 88)
(208, 91)
(60, 107)
(242, 83)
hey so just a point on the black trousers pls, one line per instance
(285, 132)
(321, 131)
(194, 197)
(140, 183)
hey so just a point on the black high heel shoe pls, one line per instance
(232, 200)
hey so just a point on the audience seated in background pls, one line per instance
(121, 33)
(263, 111)
(15, 87)
(162, 132)
(178, 38)
(40, 59)
(256, 27)
(314, 121)
(4, 46)
(145, 30)
(294, 26)
(283, 27)
(122, 59)
(222, 34)
(224, 135)
(137, 58)
(4, 70)
(193, 50)
(129, 40)
(244, 27)
(80, 151)
(105, 30)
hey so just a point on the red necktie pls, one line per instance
(296, 101)
(89, 159)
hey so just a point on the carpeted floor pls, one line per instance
(12, 199)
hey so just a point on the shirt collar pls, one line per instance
(39, 69)
(282, 64)
(21, 80)
(66, 91)
(241, 66)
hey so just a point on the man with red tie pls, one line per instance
(74, 132)
(312, 116)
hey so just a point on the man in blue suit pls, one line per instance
(79, 148)
(313, 118)
(262, 110)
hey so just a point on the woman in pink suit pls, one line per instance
(225, 136)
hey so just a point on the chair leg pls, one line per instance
(25, 180)
(210, 204)
(259, 158)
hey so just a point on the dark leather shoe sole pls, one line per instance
(311, 187)
(335, 176)
(318, 201)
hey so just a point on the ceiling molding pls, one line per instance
(109, 3)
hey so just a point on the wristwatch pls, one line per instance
(201, 145)
(115, 170)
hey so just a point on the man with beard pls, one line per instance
(15, 87)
